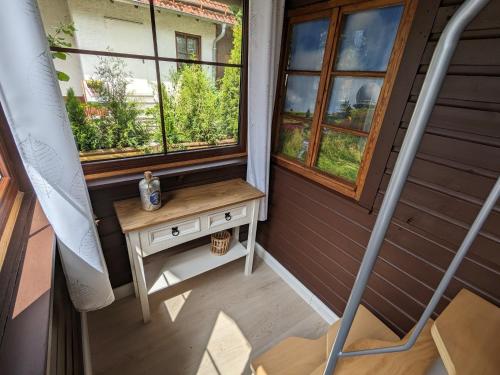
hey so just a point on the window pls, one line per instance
(337, 71)
(11, 175)
(150, 82)
(188, 46)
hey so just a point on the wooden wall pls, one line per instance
(320, 236)
(103, 194)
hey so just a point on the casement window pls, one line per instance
(188, 46)
(337, 71)
(141, 89)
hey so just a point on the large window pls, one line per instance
(150, 81)
(337, 71)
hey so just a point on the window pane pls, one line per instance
(199, 110)
(352, 102)
(367, 38)
(109, 100)
(216, 22)
(307, 45)
(300, 97)
(118, 26)
(294, 137)
(181, 44)
(192, 47)
(340, 154)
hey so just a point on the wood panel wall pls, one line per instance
(321, 236)
(103, 194)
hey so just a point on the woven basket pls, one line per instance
(220, 242)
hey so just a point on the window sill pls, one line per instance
(341, 187)
(125, 176)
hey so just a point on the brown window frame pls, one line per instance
(187, 36)
(100, 169)
(335, 10)
(15, 192)
(8, 189)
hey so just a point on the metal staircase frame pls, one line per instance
(425, 104)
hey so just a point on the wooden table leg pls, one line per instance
(236, 234)
(252, 231)
(136, 251)
(132, 268)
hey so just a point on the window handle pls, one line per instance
(228, 216)
(175, 231)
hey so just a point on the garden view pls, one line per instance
(198, 110)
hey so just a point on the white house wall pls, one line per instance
(55, 12)
(120, 26)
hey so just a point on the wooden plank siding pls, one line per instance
(320, 236)
(103, 195)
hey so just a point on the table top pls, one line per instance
(178, 204)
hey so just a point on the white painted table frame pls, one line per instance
(153, 239)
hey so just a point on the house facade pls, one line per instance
(124, 26)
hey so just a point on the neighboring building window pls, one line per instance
(188, 46)
(337, 74)
(127, 95)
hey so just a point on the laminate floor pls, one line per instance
(211, 324)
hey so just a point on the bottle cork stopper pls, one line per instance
(148, 175)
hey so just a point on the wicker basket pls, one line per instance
(220, 242)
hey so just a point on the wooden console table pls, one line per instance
(186, 214)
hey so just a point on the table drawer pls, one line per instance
(164, 236)
(230, 215)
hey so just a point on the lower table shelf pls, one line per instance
(163, 270)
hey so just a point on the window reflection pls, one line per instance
(294, 137)
(352, 102)
(340, 154)
(300, 98)
(307, 45)
(367, 39)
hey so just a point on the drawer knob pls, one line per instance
(175, 231)
(228, 216)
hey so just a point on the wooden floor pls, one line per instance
(212, 324)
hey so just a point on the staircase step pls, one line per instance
(292, 356)
(365, 325)
(467, 335)
(416, 361)
(299, 356)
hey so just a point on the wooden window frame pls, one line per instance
(101, 169)
(336, 10)
(9, 191)
(15, 190)
(187, 36)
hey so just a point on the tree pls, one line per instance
(58, 39)
(229, 97)
(346, 108)
(121, 119)
(195, 109)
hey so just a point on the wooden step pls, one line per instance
(299, 356)
(367, 326)
(415, 361)
(467, 335)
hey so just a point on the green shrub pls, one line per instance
(340, 154)
(293, 144)
(84, 131)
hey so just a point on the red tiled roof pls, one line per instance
(208, 9)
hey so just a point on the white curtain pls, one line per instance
(265, 26)
(32, 101)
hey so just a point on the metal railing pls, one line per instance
(425, 104)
